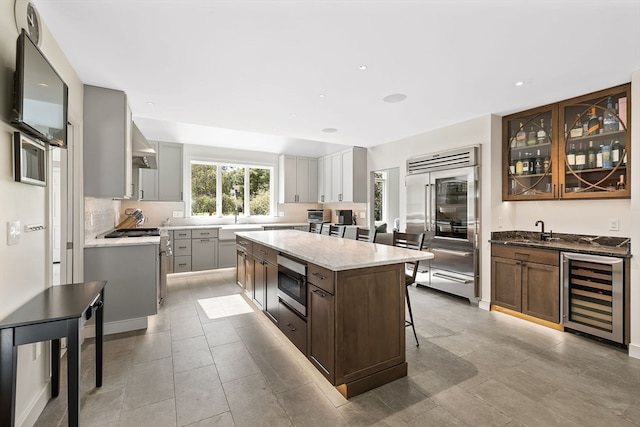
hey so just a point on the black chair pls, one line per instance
(315, 227)
(409, 241)
(366, 235)
(336, 230)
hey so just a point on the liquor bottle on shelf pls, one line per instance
(585, 127)
(616, 152)
(545, 164)
(532, 138)
(591, 156)
(519, 164)
(576, 130)
(542, 135)
(621, 185)
(571, 156)
(594, 123)
(600, 125)
(512, 166)
(526, 164)
(537, 166)
(581, 157)
(521, 137)
(610, 123)
(599, 158)
(606, 156)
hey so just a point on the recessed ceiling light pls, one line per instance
(362, 67)
(395, 97)
(292, 115)
(150, 103)
(322, 95)
(329, 130)
(43, 84)
(521, 83)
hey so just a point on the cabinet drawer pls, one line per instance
(181, 234)
(181, 264)
(263, 252)
(244, 243)
(293, 327)
(321, 277)
(540, 256)
(204, 233)
(182, 247)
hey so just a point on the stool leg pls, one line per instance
(411, 316)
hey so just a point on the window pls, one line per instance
(230, 198)
(380, 196)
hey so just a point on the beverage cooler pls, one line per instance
(442, 200)
(593, 295)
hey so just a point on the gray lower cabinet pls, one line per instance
(226, 253)
(204, 254)
(181, 251)
(132, 279)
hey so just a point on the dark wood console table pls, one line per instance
(57, 312)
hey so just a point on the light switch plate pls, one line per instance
(178, 214)
(13, 233)
(613, 224)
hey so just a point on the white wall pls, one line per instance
(24, 267)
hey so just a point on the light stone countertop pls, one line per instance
(333, 253)
(122, 241)
(233, 226)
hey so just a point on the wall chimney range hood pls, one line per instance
(144, 156)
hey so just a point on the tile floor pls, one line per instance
(473, 368)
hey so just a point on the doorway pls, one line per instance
(61, 210)
(385, 189)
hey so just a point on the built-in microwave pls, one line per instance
(30, 160)
(318, 215)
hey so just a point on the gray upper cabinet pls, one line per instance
(164, 183)
(298, 179)
(170, 172)
(107, 144)
(343, 176)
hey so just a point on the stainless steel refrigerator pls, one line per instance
(443, 194)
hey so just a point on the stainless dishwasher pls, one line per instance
(593, 294)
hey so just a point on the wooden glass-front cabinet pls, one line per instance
(575, 149)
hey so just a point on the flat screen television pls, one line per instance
(41, 96)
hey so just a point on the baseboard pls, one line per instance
(37, 406)
(484, 305)
(634, 351)
(89, 331)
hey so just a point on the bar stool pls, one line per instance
(315, 227)
(336, 230)
(366, 235)
(409, 241)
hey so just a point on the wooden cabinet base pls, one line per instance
(556, 326)
(370, 382)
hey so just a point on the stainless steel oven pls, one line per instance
(292, 284)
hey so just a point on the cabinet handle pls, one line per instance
(203, 233)
(290, 328)
(205, 240)
(322, 198)
(318, 276)
(262, 252)
(182, 264)
(142, 194)
(322, 294)
(561, 190)
(182, 247)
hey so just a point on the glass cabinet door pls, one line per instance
(595, 144)
(529, 153)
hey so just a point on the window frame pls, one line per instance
(219, 163)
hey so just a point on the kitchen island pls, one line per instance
(353, 330)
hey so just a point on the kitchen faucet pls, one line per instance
(236, 214)
(544, 236)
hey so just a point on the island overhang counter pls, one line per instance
(354, 328)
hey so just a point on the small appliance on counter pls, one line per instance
(345, 216)
(318, 215)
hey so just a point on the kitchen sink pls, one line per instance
(227, 232)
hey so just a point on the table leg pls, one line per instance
(8, 364)
(99, 339)
(55, 367)
(73, 371)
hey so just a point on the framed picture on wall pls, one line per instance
(29, 160)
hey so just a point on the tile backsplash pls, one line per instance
(100, 215)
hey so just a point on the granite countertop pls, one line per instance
(588, 244)
(232, 226)
(333, 253)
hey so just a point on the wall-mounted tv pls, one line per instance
(41, 96)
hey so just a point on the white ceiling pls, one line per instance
(234, 73)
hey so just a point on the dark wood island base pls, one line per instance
(354, 328)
